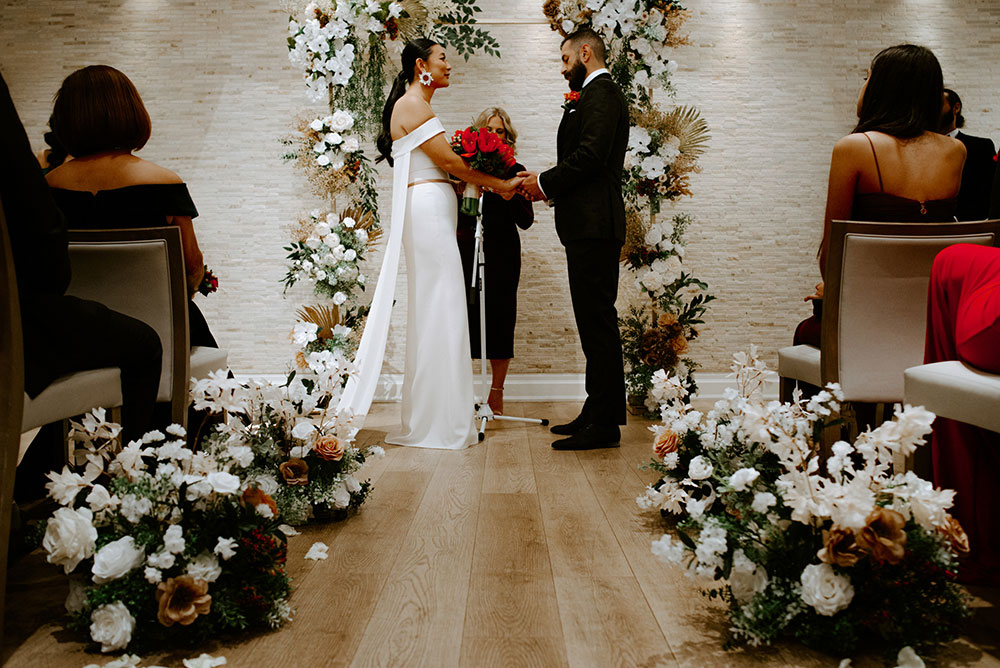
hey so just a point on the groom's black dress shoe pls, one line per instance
(569, 428)
(591, 437)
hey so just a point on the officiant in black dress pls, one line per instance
(502, 248)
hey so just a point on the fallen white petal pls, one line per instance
(288, 530)
(907, 658)
(317, 551)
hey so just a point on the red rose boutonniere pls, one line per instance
(571, 98)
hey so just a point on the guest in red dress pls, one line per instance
(963, 323)
(894, 167)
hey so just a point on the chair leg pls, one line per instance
(785, 388)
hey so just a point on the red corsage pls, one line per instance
(571, 98)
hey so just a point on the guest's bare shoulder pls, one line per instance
(144, 171)
(851, 147)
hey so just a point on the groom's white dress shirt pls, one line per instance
(590, 77)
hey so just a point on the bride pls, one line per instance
(438, 405)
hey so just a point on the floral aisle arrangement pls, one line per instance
(663, 151)
(837, 552)
(290, 441)
(483, 150)
(164, 547)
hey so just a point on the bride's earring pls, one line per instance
(426, 79)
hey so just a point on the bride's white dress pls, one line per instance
(438, 403)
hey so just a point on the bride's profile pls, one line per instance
(437, 408)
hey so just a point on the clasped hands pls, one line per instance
(524, 184)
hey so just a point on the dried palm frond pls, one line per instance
(687, 125)
(364, 220)
(416, 17)
(325, 316)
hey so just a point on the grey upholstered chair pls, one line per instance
(140, 272)
(956, 391)
(875, 306)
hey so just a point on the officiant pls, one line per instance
(502, 216)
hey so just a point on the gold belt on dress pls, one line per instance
(419, 181)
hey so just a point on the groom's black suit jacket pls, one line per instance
(586, 184)
(977, 177)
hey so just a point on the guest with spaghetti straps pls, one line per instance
(894, 167)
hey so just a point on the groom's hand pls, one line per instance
(529, 187)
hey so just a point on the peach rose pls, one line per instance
(666, 443)
(295, 472)
(182, 599)
(955, 534)
(839, 548)
(329, 448)
(667, 319)
(253, 497)
(883, 536)
(679, 344)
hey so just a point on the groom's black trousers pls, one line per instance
(593, 285)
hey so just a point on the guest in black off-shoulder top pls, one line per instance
(100, 119)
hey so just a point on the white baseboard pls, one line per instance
(547, 386)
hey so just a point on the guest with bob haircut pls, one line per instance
(101, 120)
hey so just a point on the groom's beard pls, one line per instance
(576, 76)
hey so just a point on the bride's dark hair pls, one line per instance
(418, 49)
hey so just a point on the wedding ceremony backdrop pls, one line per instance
(776, 84)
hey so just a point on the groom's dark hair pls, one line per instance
(589, 37)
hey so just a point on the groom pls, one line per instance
(586, 188)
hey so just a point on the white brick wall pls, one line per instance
(776, 80)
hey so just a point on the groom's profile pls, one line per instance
(585, 186)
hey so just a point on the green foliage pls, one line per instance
(455, 30)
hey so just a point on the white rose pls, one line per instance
(362, 235)
(700, 468)
(205, 567)
(266, 483)
(313, 243)
(339, 298)
(743, 477)
(161, 560)
(173, 539)
(241, 454)
(348, 222)
(303, 429)
(827, 592)
(341, 121)
(70, 537)
(223, 483)
(321, 230)
(323, 160)
(341, 497)
(112, 626)
(350, 255)
(350, 145)
(331, 239)
(353, 486)
(333, 138)
(116, 559)
(762, 501)
(317, 124)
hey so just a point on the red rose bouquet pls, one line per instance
(483, 150)
(209, 282)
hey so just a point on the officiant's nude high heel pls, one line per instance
(496, 404)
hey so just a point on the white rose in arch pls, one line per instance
(743, 477)
(341, 121)
(348, 222)
(351, 144)
(321, 230)
(112, 626)
(826, 591)
(339, 298)
(331, 239)
(116, 559)
(323, 160)
(350, 254)
(333, 138)
(317, 124)
(70, 537)
(313, 243)
(700, 468)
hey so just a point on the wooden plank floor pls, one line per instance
(505, 554)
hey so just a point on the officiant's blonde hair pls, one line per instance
(483, 119)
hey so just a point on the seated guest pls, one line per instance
(895, 166)
(502, 216)
(963, 323)
(100, 119)
(980, 166)
(63, 334)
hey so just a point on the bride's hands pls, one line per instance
(509, 187)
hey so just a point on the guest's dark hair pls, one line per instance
(57, 152)
(954, 99)
(418, 49)
(904, 93)
(591, 38)
(98, 109)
